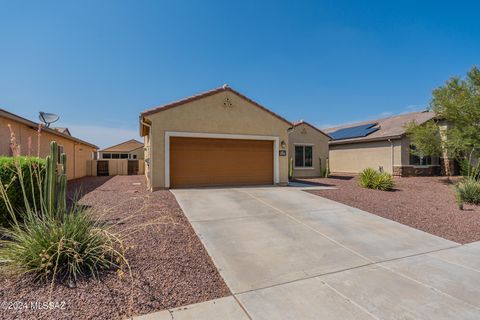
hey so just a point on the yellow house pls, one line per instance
(219, 137)
(33, 141)
(131, 149)
(380, 144)
(308, 150)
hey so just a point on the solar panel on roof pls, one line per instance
(354, 132)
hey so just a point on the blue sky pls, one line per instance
(99, 63)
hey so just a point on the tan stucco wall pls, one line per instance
(304, 133)
(77, 153)
(353, 158)
(209, 115)
(139, 153)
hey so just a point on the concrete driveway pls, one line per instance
(288, 254)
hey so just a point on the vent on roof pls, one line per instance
(354, 132)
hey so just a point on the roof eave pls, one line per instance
(144, 126)
(313, 127)
(119, 144)
(34, 126)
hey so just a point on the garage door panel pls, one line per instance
(203, 162)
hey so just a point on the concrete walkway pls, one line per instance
(288, 254)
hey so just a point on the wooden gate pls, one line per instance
(102, 168)
(114, 167)
(132, 167)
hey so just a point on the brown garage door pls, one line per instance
(215, 162)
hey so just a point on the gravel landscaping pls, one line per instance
(425, 203)
(169, 264)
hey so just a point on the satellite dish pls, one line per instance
(48, 118)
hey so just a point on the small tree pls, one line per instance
(457, 104)
(425, 138)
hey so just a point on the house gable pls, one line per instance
(220, 111)
(224, 100)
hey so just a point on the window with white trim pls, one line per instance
(303, 156)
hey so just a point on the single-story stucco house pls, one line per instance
(221, 137)
(307, 149)
(131, 149)
(27, 133)
(380, 144)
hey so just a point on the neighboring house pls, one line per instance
(26, 133)
(308, 150)
(219, 137)
(131, 149)
(62, 130)
(125, 158)
(380, 144)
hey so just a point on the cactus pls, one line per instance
(327, 168)
(290, 171)
(51, 176)
(322, 174)
(55, 185)
(62, 185)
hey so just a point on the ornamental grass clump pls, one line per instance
(373, 179)
(467, 191)
(60, 250)
(366, 178)
(383, 181)
(54, 241)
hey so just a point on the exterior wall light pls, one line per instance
(283, 144)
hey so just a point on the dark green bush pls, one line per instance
(372, 179)
(9, 178)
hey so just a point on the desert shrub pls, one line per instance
(468, 191)
(366, 178)
(9, 177)
(467, 169)
(54, 241)
(373, 179)
(383, 181)
(326, 172)
(77, 245)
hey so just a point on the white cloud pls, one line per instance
(102, 136)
